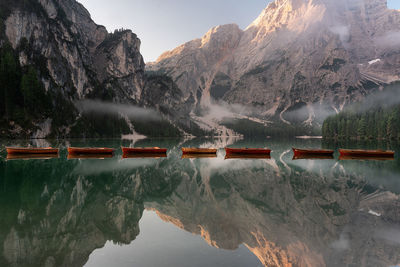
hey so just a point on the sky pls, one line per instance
(163, 25)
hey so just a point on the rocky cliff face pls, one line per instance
(298, 55)
(78, 54)
(77, 59)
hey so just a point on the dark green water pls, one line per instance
(199, 212)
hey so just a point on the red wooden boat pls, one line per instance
(195, 150)
(30, 150)
(147, 150)
(90, 150)
(366, 153)
(144, 155)
(315, 152)
(247, 151)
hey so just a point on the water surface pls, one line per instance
(199, 212)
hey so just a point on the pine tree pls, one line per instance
(8, 80)
(361, 127)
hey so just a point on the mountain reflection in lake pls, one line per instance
(200, 211)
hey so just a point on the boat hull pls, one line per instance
(366, 153)
(143, 150)
(248, 151)
(312, 152)
(194, 150)
(26, 151)
(90, 151)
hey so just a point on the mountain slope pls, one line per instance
(69, 58)
(300, 59)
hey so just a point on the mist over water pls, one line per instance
(388, 97)
(131, 111)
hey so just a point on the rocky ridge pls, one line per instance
(311, 57)
(76, 59)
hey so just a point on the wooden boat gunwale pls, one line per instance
(366, 153)
(246, 151)
(90, 150)
(89, 156)
(312, 157)
(28, 150)
(198, 155)
(197, 150)
(371, 158)
(17, 156)
(247, 156)
(316, 152)
(143, 150)
(143, 155)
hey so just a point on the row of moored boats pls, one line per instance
(192, 152)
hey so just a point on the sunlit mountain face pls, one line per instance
(273, 212)
(300, 60)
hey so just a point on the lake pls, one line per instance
(199, 212)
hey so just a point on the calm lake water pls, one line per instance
(199, 212)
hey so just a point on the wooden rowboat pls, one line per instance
(90, 150)
(247, 151)
(366, 153)
(195, 150)
(30, 150)
(147, 150)
(315, 152)
(144, 155)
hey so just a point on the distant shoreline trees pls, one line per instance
(376, 123)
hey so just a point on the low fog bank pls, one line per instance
(131, 111)
(387, 98)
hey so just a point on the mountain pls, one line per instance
(53, 56)
(298, 61)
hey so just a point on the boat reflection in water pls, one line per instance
(284, 212)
